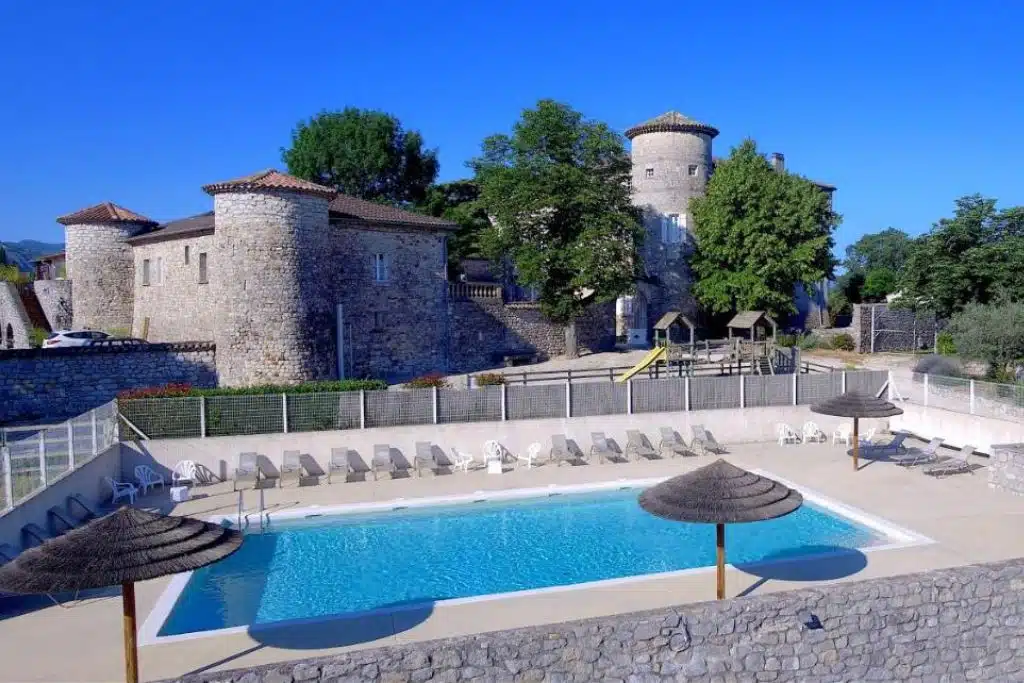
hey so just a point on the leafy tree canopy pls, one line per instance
(759, 232)
(977, 256)
(878, 283)
(458, 202)
(557, 191)
(888, 249)
(993, 334)
(362, 153)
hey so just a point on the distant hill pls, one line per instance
(24, 252)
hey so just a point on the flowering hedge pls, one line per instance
(179, 389)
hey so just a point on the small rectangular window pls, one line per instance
(145, 272)
(380, 268)
(158, 271)
(648, 172)
(692, 170)
(186, 254)
(202, 268)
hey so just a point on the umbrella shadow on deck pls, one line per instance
(809, 563)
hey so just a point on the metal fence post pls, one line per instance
(434, 400)
(795, 401)
(926, 389)
(686, 393)
(743, 399)
(202, 417)
(42, 456)
(568, 398)
(284, 412)
(629, 397)
(842, 383)
(362, 409)
(95, 435)
(8, 475)
(504, 401)
(972, 397)
(890, 391)
(71, 445)
(872, 329)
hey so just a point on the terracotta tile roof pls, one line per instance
(107, 212)
(344, 206)
(271, 179)
(183, 227)
(671, 122)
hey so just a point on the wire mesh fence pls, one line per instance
(257, 414)
(482, 404)
(814, 388)
(542, 400)
(713, 393)
(323, 412)
(767, 390)
(598, 398)
(659, 395)
(171, 418)
(867, 381)
(961, 395)
(1004, 401)
(393, 408)
(33, 457)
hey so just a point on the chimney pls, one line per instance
(778, 162)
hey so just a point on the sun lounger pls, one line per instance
(560, 449)
(424, 457)
(638, 445)
(895, 445)
(957, 464)
(248, 470)
(339, 463)
(703, 440)
(291, 467)
(867, 441)
(928, 454)
(454, 461)
(599, 446)
(672, 442)
(382, 461)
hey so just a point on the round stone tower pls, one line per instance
(671, 164)
(275, 316)
(101, 266)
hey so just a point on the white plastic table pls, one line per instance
(179, 494)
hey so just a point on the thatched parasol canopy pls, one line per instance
(856, 404)
(720, 494)
(123, 547)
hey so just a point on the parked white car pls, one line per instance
(65, 338)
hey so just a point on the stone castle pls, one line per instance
(294, 282)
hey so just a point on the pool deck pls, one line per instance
(968, 522)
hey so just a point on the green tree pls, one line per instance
(888, 249)
(3, 255)
(458, 202)
(878, 282)
(759, 232)
(557, 189)
(993, 334)
(362, 153)
(973, 257)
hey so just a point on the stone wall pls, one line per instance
(948, 625)
(895, 329)
(14, 323)
(273, 310)
(180, 307)
(397, 328)
(55, 299)
(1006, 468)
(483, 329)
(53, 384)
(100, 264)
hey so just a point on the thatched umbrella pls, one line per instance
(856, 405)
(123, 547)
(720, 494)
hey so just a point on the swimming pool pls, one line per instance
(351, 563)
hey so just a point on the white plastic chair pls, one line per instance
(122, 489)
(532, 453)
(185, 472)
(148, 478)
(787, 434)
(867, 440)
(460, 460)
(493, 451)
(843, 434)
(812, 434)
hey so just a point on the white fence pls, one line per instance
(969, 396)
(276, 413)
(34, 457)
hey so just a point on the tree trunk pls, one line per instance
(571, 348)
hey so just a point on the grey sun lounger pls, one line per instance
(672, 442)
(919, 456)
(248, 469)
(957, 464)
(638, 445)
(382, 461)
(424, 457)
(560, 449)
(599, 446)
(339, 463)
(703, 440)
(291, 467)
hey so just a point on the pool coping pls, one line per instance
(902, 537)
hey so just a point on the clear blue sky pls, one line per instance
(903, 106)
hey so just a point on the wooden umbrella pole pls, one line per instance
(856, 444)
(720, 551)
(131, 653)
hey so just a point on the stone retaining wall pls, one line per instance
(1006, 468)
(948, 625)
(53, 384)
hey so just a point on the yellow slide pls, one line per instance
(653, 356)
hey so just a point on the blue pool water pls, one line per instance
(352, 563)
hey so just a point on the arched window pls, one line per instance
(10, 336)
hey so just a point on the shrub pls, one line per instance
(938, 365)
(787, 340)
(809, 341)
(991, 333)
(944, 344)
(434, 379)
(843, 342)
(489, 379)
(36, 337)
(179, 390)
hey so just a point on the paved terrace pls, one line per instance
(82, 641)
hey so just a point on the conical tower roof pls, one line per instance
(671, 122)
(107, 212)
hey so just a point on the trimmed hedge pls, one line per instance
(181, 390)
